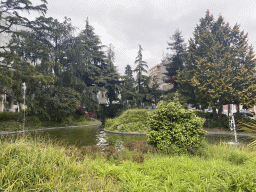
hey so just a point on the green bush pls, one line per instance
(33, 121)
(237, 157)
(212, 121)
(9, 116)
(174, 129)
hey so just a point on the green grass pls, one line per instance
(35, 123)
(29, 165)
(132, 120)
(39, 165)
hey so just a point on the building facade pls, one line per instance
(159, 71)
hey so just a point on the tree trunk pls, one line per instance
(237, 108)
(214, 111)
(220, 111)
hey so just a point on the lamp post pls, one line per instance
(24, 96)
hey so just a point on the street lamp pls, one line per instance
(24, 96)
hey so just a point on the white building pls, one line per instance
(159, 71)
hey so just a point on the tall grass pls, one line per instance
(132, 120)
(39, 165)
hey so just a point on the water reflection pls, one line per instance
(216, 139)
(88, 136)
(96, 136)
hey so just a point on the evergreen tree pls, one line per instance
(128, 71)
(110, 53)
(154, 90)
(220, 66)
(111, 82)
(10, 13)
(91, 58)
(10, 18)
(140, 68)
(175, 61)
(127, 88)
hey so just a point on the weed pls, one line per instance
(237, 157)
(109, 151)
(139, 146)
(138, 157)
(93, 150)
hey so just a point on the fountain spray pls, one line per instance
(232, 126)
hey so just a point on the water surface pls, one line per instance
(95, 135)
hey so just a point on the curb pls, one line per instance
(208, 133)
(232, 134)
(125, 133)
(46, 129)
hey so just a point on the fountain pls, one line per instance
(232, 126)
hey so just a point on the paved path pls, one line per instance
(46, 129)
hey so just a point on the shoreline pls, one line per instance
(208, 133)
(46, 129)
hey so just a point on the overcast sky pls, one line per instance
(151, 23)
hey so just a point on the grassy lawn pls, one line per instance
(31, 123)
(40, 165)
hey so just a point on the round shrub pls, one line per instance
(174, 129)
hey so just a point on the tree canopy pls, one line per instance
(175, 59)
(10, 13)
(219, 65)
(140, 68)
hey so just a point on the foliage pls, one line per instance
(128, 71)
(57, 102)
(89, 98)
(10, 13)
(131, 120)
(246, 124)
(127, 87)
(81, 110)
(141, 146)
(58, 59)
(169, 97)
(213, 121)
(108, 111)
(50, 167)
(37, 122)
(110, 80)
(174, 129)
(140, 69)
(175, 60)
(219, 66)
(91, 115)
(154, 90)
(8, 116)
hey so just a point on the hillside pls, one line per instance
(132, 120)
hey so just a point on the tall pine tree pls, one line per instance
(175, 59)
(140, 68)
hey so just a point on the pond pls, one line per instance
(95, 135)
